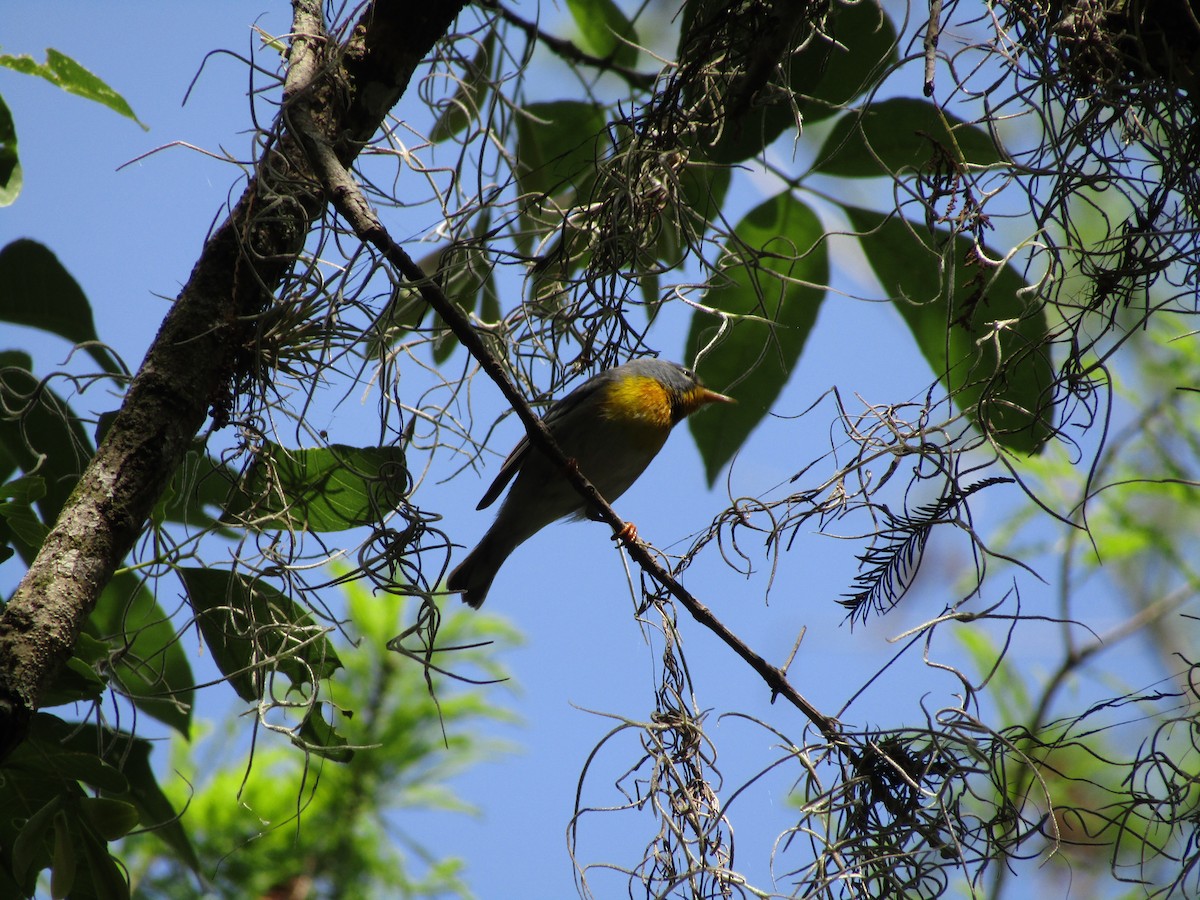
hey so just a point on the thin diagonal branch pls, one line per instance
(350, 202)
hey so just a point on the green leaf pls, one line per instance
(846, 57)
(199, 483)
(40, 432)
(36, 290)
(154, 809)
(146, 656)
(903, 133)
(702, 190)
(254, 630)
(75, 681)
(769, 285)
(604, 30)
(111, 819)
(558, 144)
(40, 789)
(321, 489)
(986, 342)
(62, 870)
(29, 853)
(108, 878)
(59, 69)
(316, 735)
(17, 499)
(464, 107)
(76, 765)
(11, 177)
(857, 49)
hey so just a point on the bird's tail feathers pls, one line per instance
(473, 576)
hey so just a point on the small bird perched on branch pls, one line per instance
(611, 426)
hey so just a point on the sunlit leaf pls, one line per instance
(605, 30)
(849, 54)
(144, 651)
(40, 433)
(464, 107)
(319, 489)
(770, 286)
(902, 133)
(37, 291)
(254, 630)
(986, 342)
(59, 69)
(11, 176)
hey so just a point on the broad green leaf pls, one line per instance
(848, 55)
(558, 144)
(36, 290)
(464, 107)
(199, 483)
(145, 654)
(17, 499)
(107, 878)
(154, 809)
(856, 51)
(29, 849)
(703, 189)
(903, 133)
(605, 31)
(77, 765)
(48, 820)
(320, 489)
(11, 177)
(769, 284)
(253, 630)
(77, 680)
(986, 343)
(62, 870)
(133, 755)
(111, 819)
(40, 432)
(59, 69)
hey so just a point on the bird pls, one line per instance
(611, 427)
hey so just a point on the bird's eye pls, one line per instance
(689, 374)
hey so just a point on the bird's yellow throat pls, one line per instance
(639, 399)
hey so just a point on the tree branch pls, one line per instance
(352, 205)
(192, 367)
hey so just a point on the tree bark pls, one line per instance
(193, 366)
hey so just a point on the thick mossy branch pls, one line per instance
(195, 363)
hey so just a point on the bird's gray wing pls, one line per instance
(512, 463)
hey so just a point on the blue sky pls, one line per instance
(130, 233)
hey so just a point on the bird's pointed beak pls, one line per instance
(707, 396)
